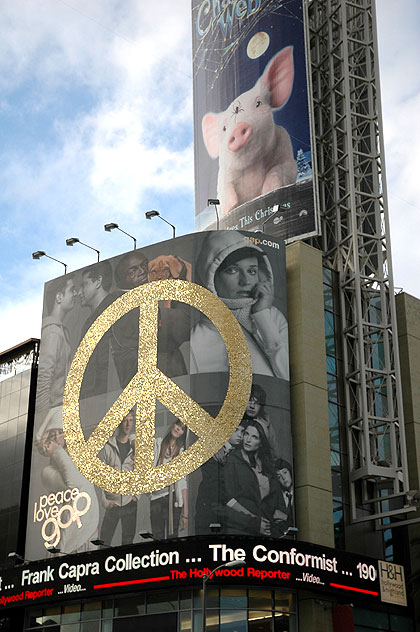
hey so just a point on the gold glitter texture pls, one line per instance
(150, 384)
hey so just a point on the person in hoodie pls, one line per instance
(240, 274)
(118, 452)
(255, 410)
(55, 347)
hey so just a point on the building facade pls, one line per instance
(353, 563)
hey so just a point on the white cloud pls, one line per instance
(398, 28)
(20, 320)
(98, 102)
(124, 134)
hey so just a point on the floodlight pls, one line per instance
(290, 531)
(153, 213)
(150, 214)
(16, 558)
(109, 227)
(72, 240)
(75, 240)
(99, 542)
(215, 202)
(40, 253)
(112, 225)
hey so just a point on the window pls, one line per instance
(228, 610)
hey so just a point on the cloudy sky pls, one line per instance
(96, 127)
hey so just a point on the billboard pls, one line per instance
(251, 118)
(163, 397)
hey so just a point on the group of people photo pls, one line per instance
(228, 264)
(247, 487)
(239, 271)
(168, 507)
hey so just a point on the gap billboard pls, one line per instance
(251, 119)
(163, 397)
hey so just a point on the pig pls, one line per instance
(255, 154)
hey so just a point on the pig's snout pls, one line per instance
(239, 136)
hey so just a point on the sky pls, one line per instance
(96, 127)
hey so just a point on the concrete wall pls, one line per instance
(309, 398)
(309, 412)
(408, 316)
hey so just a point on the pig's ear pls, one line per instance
(278, 77)
(211, 133)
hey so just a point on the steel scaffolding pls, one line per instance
(355, 242)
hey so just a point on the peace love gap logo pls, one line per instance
(150, 384)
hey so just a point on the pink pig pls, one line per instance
(255, 154)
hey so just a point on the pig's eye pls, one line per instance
(224, 128)
(258, 103)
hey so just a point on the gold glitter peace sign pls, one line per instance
(150, 384)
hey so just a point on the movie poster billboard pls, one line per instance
(253, 156)
(163, 397)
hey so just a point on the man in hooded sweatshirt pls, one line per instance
(118, 452)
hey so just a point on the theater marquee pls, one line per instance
(291, 565)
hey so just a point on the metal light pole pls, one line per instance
(150, 214)
(209, 576)
(40, 253)
(113, 225)
(215, 202)
(75, 240)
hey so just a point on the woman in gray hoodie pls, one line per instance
(239, 272)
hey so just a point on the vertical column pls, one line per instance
(309, 398)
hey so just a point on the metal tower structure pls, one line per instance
(355, 243)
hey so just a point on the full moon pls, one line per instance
(258, 44)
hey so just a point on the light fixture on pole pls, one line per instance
(75, 240)
(150, 214)
(112, 225)
(99, 542)
(209, 576)
(293, 531)
(16, 558)
(215, 203)
(55, 550)
(40, 253)
(276, 220)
